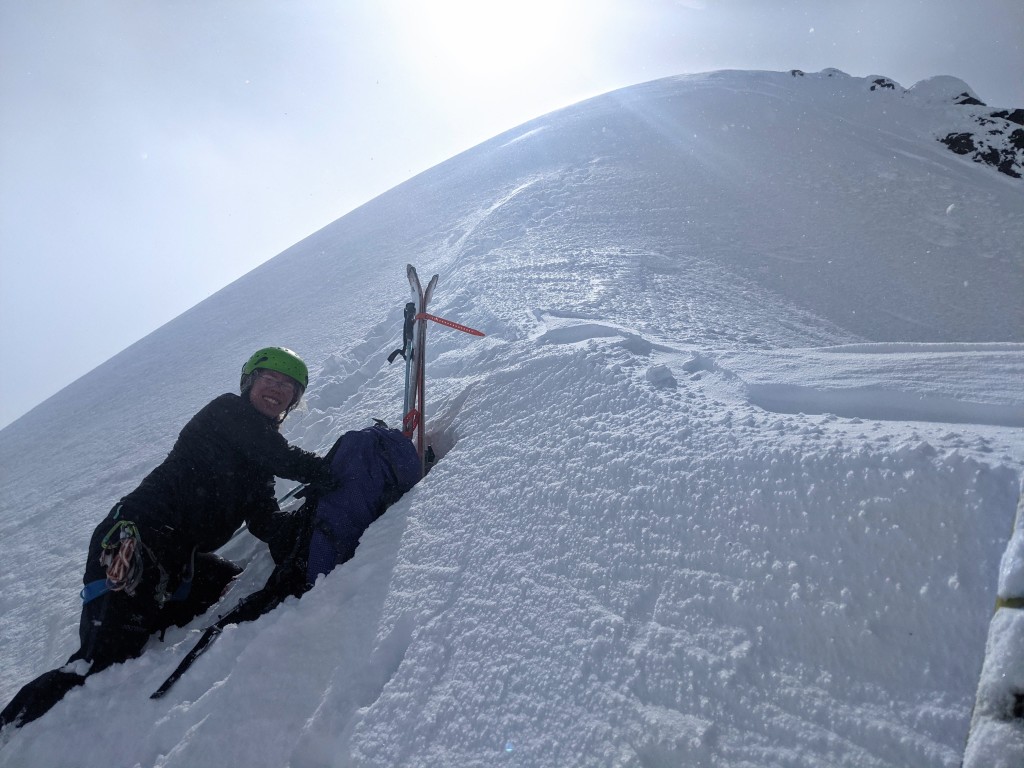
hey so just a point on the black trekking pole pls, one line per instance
(249, 609)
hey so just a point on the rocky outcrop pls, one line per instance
(996, 141)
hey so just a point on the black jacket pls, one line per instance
(219, 474)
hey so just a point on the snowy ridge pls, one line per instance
(991, 137)
(728, 482)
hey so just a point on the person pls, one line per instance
(151, 561)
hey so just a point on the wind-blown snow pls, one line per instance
(730, 481)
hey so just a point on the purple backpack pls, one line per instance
(376, 466)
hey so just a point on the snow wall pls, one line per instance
(996, 737)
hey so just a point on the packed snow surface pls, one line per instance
(728, 482)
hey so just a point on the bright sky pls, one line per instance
(152, 151)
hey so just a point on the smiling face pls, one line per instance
(272, 393)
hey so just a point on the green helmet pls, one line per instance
(277, 359)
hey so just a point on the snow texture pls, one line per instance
(729, 482)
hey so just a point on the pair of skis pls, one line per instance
(414, 348)
(414, 344)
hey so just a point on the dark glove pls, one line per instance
(283, 535)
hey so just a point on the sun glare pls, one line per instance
(494, 41)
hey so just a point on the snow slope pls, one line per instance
(728, 482)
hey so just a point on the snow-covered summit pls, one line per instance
(728, 482)
(944, 89)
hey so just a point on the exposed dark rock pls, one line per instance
(1009, 167)
(994, 142)
(1008, 159)
(966, 98)
(1016, 116)
(990, 156)
(882, 82)
(961, 143)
